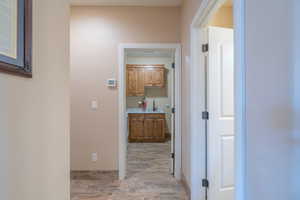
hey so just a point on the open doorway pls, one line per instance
(150, 108)
(217, 92)
(150, 124)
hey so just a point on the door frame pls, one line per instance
(122, 103)
(204, 13)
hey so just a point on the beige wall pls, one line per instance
(34, 114)
(223, 18)
(96, 33)
(162, 96)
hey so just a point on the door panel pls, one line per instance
(148, 77)
(159, 126)
(158, 77)
(135, 81)
(227, 162)
(221, 107)
(154, 76)
(136, 128)
(131, 81)
(227, 79)
(149, 128)
(140, 88)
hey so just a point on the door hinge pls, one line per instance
(173, 110)
(205, 48)
(173, 155)
(205, 115)
(205, 183)
(173, 65)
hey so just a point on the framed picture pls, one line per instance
(16, 37)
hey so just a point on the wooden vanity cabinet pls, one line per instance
(141, 76)
(136, 126)
(147, 128)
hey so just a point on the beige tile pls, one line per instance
(148, 178)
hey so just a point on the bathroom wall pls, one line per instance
(162, 96)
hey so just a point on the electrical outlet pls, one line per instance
(94, 157)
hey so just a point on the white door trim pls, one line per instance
(122, 103)
(207, 8)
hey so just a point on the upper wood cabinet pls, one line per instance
(135, 81)
(154, 76)
(141, 76)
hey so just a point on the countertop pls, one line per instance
(139, 110)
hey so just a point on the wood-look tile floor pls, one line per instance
(148, 178)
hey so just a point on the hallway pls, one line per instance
(148, 178)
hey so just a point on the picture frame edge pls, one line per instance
(26, 71)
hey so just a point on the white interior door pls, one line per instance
(221, 108)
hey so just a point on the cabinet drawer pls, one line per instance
(138, 116)
(155, 116)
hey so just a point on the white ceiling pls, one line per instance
(127, 2)
(150, 53)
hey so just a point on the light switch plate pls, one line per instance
(94, 157)
(94, 105)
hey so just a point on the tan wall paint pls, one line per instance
(162, 96)
(34, 113)
(95, 35)
(223, 18)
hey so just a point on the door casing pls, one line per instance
(197, 74)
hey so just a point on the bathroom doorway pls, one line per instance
(149, 110)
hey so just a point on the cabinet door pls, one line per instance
(140, 87)
(135, 82)
(159, 127)
(148, 76)
(148, 128)
(154, 77)
(136, 129)
(131, 81)
(158, 78)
